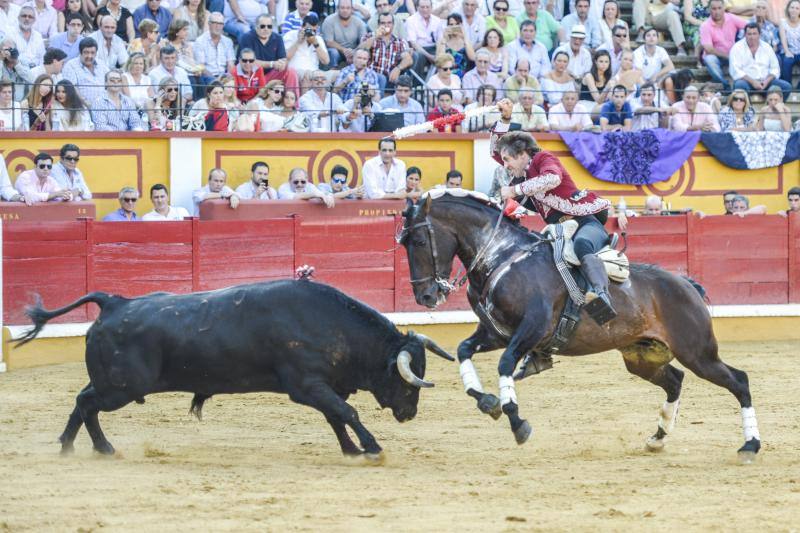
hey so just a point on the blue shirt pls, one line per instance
(272, 50)
(90, 85)
(60, 41)
(351, 89)
(162, 17)
(292, 22)
(107, 117)
(610, 113)
(412, 113)
(119, 216)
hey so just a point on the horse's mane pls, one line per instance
(474, 199)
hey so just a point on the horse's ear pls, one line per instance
(427, 206)
(409, 207)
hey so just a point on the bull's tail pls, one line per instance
(197, 405)
(41, 316)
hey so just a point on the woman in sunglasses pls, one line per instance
(499, 20)
(738, 114)
(444, 79)
(163, 112)
(268, 106)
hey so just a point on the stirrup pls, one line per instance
(598, 306)
(533, 364)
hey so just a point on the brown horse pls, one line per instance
(518, 294)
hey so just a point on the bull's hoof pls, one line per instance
(523, 432)
(747, 453)
(67, 449)
(374, 459)
(490, 404)
(105, 449)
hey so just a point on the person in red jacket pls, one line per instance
(540, 183)
(249, 77)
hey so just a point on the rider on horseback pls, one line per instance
(540, 183)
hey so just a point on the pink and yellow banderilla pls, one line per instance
(455, 118)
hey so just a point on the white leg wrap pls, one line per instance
(668, 415)
(469, 376)
(507, 391)
(749, 424)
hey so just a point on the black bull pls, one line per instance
(518, 299)
(301, 338)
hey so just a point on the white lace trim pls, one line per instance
(761, 149)
(542, 183)
(551, 201)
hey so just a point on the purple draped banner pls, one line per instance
(632, 157)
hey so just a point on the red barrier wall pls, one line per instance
(753, 260)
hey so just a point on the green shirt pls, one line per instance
(546, 28)
(509, 34)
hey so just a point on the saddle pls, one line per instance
(616, 262)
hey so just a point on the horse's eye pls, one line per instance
(419, 242)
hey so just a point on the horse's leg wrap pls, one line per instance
(749, 424)
(507, 391)
(469, 376)
(668, 415)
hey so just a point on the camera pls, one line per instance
(363, 94)
(309, 32)
(13, 53)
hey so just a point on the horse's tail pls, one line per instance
(699, 288)
(40, 316)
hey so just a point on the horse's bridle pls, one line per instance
(445, 285)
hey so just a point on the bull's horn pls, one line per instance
(435, 348)
(404, 367)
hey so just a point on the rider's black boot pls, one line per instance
(598, 300)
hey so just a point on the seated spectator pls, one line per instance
(754, 66)
(423, 31)
(402, 102)
(548, 30)
(793, 196)
(162, 211)
(164, 112)
(413, 187)
(217, 117)
(13, 70)
(195, 13)
(306, 50)
(675, 83)
(596, 85)
(738, 114)
(11, 116)
(646, 113)
(294, 120)
(148, 42)
(294, 20)
(383, 7)
(111, 50)
(338, 186)
(557, 80)
(717, 36)
(486, 97)
(580, 17)
(389, 55)
(652, 59)
(69, 112)
(660, 15)
(46, 19)
(580, 58)
(455, 42)
(248, 77)
(321, 105)
(68, 41)
(727, 201)
(501, 21)
(299, 188)
(38, 104)
(444, 79)
(453, 179)
(522, 79)
(168, 68)
(527, 49)
(620, 42)
(610, 20)
(27, 40)
(137, 85)
(114, 111)
(528, 115)
(628, 75)
(775, 115)
(232, 101)
(691, 114)
(342, 33)
(128, 196)
(616, 114)
(769, 31)
(37, 185)
(268, 47)
(153, 10)
(789, 39)
(73, 7)
(384, 174)
(569, 114)
(52, 66)
(241, 16)
(709, 93)
(494, 44)
(68, 175)
(7, 191)
(178, 37)
(213, 51)
(478, 77)
(269, 106)
(741, 207)
(215, 189)
(85, 73)
(360, 111)
(444, 108)
(352, 77)
(257, 187)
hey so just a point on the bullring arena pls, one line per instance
(261, 462)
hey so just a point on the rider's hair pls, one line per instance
(516, 142)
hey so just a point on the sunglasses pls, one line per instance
(265, 26)
(114, 80)
(171, 90)
(737, 99)
(299, 182)
(277, 91)
(45, 165)
(502, 9)
(446, 69)
(129, 200)
(72, 159)
(339, 180)
(621, 35)
(243, 60)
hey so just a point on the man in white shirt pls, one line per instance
(168, 66)
(320, 105)
(652, 59)
(753, 64)
(580, 16)
(28, 41)
(111, 50)
(423, 31)
(9, 12)
(54, 60)
(215, 189)
(299, 188)
(384, 174)
(305, 49)
(580, 58)
(569, 114)
(257, 187)
(646, 114)
(67, 174)
(162, 211)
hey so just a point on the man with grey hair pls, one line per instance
(741, 207)
(522, 79)
(480, 75)
(128, 196)
(569, 114)
(12, 70)
(320, 105)
(111, 50)
(114, 111)
(300, 188)
(652, 206)
(214, 50)
(528, 115)
(215, 189)
(27, 40)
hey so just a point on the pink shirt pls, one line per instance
(425, 34)
(29, 186)
(683, 119)
(721, 38)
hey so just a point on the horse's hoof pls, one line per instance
(654, 444)
(747, 457)
(490, 404)
(105, 449)
(747, 453)
(374, 459)
(523, 432)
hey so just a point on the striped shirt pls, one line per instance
(90, 85)
(108, 117)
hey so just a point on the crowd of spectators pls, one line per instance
(353, 65)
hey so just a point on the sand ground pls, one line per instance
(261, 463)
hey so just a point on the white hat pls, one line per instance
(579, 31)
